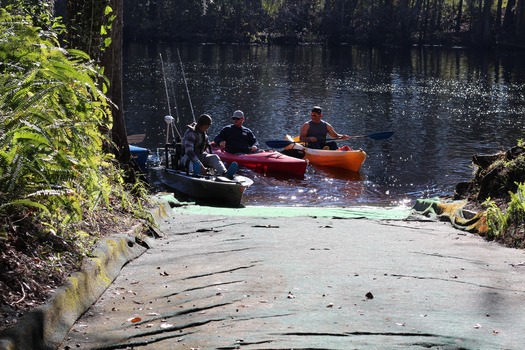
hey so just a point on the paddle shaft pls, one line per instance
(375, 136)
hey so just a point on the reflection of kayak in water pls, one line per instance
(344, 157)
(337, 173)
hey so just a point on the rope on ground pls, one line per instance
(454, 212)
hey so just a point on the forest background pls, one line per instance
(480, 23)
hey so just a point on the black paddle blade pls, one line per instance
(381, 135)
(278, 143)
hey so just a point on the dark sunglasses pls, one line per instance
(236, 118)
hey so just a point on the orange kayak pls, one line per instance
(351, 159)
(344, 157)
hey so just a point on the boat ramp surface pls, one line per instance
(219, 281)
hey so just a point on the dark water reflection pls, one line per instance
(443, 105)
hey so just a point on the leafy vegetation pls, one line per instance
(508, 226)
(506, 222)
(58, 189)
(479, 23)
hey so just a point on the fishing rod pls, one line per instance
(168, 118)
(186, 84)
(174, 98)
(165, 83)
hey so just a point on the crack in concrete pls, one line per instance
(243, 343)
(219, 272)
(457, 281)
(133, 344)
(480, 262)
(200, 288)
(213, 285)
(228, 251)
(362, 333)
(127, 344)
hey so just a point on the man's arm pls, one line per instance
(334, 134)
(220, 137)
(254, 144)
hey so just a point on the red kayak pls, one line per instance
(266, 162)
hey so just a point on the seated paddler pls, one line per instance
(236, 138)
(314, 132)
(196, 144)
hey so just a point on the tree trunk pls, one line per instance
(520, 19)
(497, 22)
(424, 24)
(84, 21)
(111, 60)
(459, 17)
(486, 30)
(509, 18)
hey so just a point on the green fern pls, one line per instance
(52, 108)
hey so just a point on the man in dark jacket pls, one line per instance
(195, 143)
(236, 138)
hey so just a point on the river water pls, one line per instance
(443, 105)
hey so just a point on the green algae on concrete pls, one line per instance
(46, 326)
(366, 212)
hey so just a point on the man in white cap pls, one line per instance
(236, 138)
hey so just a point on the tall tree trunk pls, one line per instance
(439, 16)
(497, 22)
(486, 29)
(459, 17)
(426, 19)
(84, 20)
(509, 19)
(520, 19)
(111, 60)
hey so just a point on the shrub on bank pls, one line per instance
(58, 188)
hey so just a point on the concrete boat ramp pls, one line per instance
(218, 281)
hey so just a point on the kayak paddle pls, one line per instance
(376, 136)
(278, 143)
